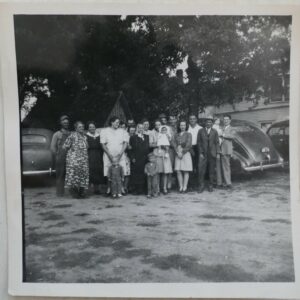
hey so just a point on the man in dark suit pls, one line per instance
(208, 149)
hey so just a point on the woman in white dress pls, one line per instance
(114, 141)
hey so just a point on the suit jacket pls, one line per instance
(208, 144)
(226, 145)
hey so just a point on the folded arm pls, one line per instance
(188, 144)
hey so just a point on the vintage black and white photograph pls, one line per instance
(155, 148)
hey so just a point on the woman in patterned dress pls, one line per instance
(77, 164)
(127, 170)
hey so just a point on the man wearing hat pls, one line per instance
(163, 119)
(59, 153)
(208, 150)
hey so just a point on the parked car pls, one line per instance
(36, 154)
(279, 132)
(252, 149)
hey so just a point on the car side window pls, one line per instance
(33, 139)
(276, 131)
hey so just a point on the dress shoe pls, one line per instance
(200, 190)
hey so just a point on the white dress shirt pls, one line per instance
(194, 132)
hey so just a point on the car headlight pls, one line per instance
(265, 150)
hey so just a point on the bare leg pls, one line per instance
(126, 183)
(159, 175)
(180, 180)
(186, 176)
(165, 182)
(170, 181)
(108, 187)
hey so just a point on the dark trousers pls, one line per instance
(138, 188)
(207, 163)
(60, 168)
(195, 158)
(152, 185)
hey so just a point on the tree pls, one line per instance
(88, 58)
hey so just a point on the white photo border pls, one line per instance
(12, 153)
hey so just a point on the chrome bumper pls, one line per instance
(32, 173)
(262, 167)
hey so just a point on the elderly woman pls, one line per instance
(77, 164)
(114, 141)
(95, 153)
(182, 143)
(139, 150)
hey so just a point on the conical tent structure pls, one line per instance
(119, 109)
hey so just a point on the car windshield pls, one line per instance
(33, 139)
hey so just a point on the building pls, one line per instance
(259, 111)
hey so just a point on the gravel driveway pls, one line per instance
(240, 235)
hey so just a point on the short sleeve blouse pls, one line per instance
(114, 139)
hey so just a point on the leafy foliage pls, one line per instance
(87, 59)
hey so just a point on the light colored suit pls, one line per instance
(226, 153)
(226, 144)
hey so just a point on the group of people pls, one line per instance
(130, 157)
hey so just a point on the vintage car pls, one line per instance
(252, 149)
(279, 134)
(36, 154)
